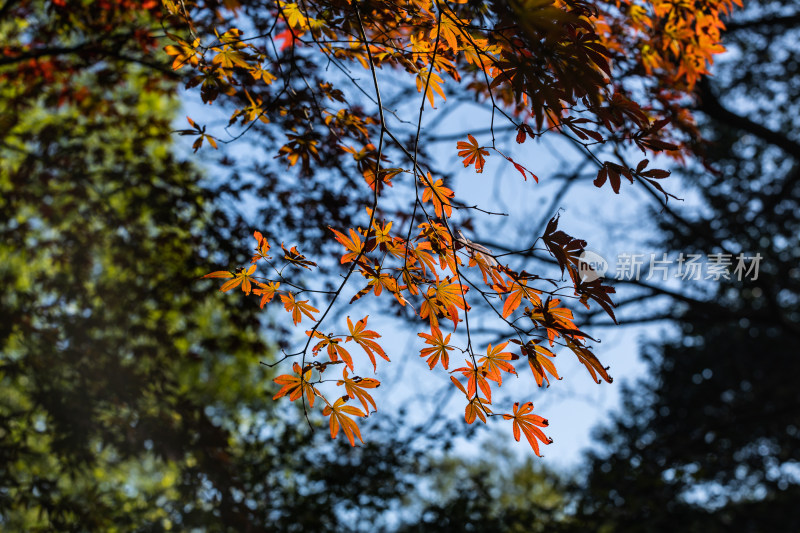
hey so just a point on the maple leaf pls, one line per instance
(496, 360)
(296, 308)
(242, 277)
(184, 53)
(476, 408)
(364, 338)
(582, 133)
(266, 291)
(447, 29)
(528, 423)
(294, 257)
(589, 360)
(287, 38)
(440, 195)
(267, 77)
(301, 148)
(476, 379)
(377, 282)
(612, 172)
(338, 413)
(426, 261)
(459, 385)
(433, 84)
(487, 265)
(332, 346)
(523, 130)
(472, 153)
(596, 291)
(522, 170)
(293, 15)
(565, 249)
(384, 240)
(295, 386)
(200, 131)
(262, 247)
(439, 350)
(517, 290)
(254, 111)
(441, 242)
(355, 389)
(353, 244)
(443, 297)
(229, 57)
(538, 359)
(556, 320)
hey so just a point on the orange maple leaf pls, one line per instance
(444, 297)
(476, 408)
(496, 360)
(476, 379)
(185, 53)
(433, 84)
(472, 153)
(589, 360)
(294, 386)
(556, 320)
(447, 30)
(355, 389)
(353, 244)
(436, 192)
(296, 308)
(439, 350)
(517, 290)
(529, 424)
(539, 359)
(338, 413)
(334, 349)
(266, 291)
(262, 247)
(242, 277)
(364, 338)
(296, 258)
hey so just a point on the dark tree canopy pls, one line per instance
(711, 440)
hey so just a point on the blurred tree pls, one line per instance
(496, 493)
(711, 440)
(132, 398)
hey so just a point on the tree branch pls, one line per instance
(767, 23)
(711, 106)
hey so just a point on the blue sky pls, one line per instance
(612, 224)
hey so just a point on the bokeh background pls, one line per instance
(131, 395)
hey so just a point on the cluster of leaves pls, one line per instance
(48, 45)
(599, 74)
(709, 437)
(129, 402)
(440, 296)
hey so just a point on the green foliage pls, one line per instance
(494, 493)
(112, 354)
